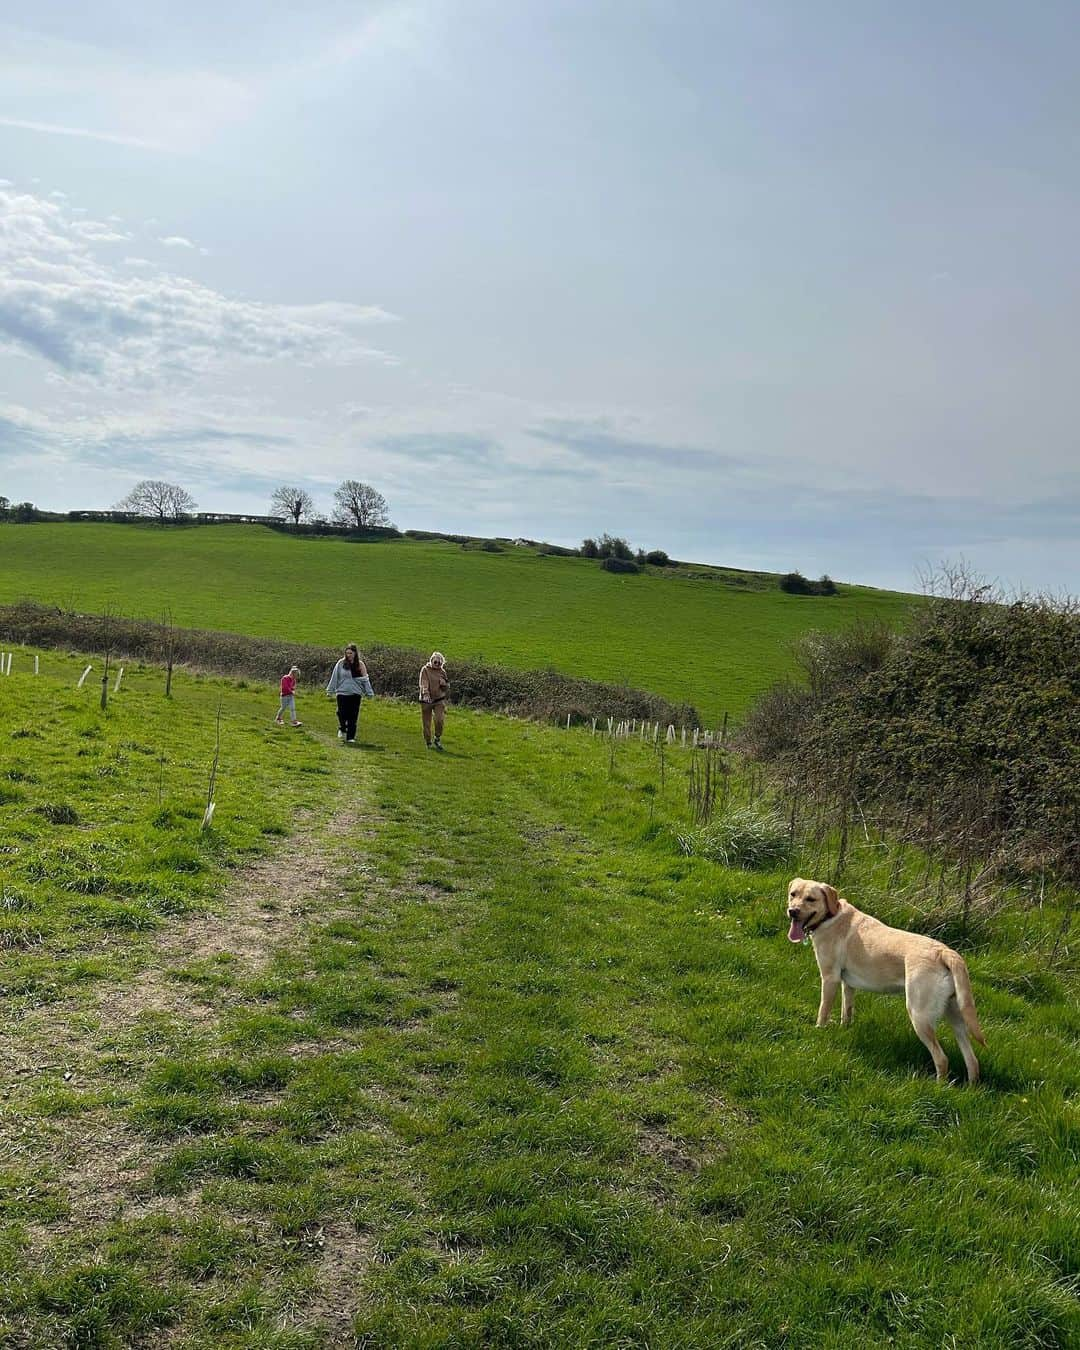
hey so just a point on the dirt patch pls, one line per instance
(345, 1256)
(675, 1153)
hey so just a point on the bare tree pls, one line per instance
(359, 505)
(160, 501)
(292, 503)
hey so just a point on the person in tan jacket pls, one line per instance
(434, 691)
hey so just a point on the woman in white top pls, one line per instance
(350, 682)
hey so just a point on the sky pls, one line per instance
(776, 285)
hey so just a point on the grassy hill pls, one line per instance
(464, 1051)
(714, 638)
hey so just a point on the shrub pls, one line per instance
(490, 546)
(613, 546)
(742, 838)
(657, 558)
(794, 583)
(961, 731)
(619, 565)
(589, 548)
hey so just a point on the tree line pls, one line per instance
(359, 506)
(355, 504)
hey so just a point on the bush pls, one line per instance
(490, 546)
(657, 558)
(742, 838)
(776, 723)
(962, 730)
(613, 546)
(794, 583)
(589, 548)
(619, 565)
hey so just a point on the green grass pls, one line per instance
(711, 642)
(102, 811)
(523, 1074)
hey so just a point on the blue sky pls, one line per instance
(771, 284)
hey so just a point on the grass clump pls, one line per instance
(744, 837)
(59, 813)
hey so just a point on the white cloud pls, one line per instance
(175, 241)
(89, 321)
(99, 232)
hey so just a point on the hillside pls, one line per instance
(709, 639)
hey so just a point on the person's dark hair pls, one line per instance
(353, 666)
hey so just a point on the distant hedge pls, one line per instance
(543, 694)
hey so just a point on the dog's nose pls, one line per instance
(792, 913)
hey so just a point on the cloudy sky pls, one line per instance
(760, 282)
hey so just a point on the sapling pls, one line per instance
(211, 787)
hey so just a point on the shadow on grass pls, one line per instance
(890, 1051)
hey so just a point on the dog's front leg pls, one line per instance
(829, 984)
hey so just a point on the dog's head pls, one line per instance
(809, 904)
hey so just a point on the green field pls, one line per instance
(712, 642)
(463, 1051)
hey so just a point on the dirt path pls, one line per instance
(95, 1162)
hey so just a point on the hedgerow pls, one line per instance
(962, 732)
(529, 693)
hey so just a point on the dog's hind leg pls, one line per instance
(926, 1033)
(963, 1040)
(927, 995)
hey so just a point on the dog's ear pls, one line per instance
(832, 898)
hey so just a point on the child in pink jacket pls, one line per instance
(288, 698)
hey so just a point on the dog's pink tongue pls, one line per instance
(795, 932)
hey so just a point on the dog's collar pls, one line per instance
(820, 923)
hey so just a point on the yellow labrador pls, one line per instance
(856, 951)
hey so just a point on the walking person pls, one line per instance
(349, 682)
(288, 698)
(434, 691)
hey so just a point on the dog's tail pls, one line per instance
(957, 968)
